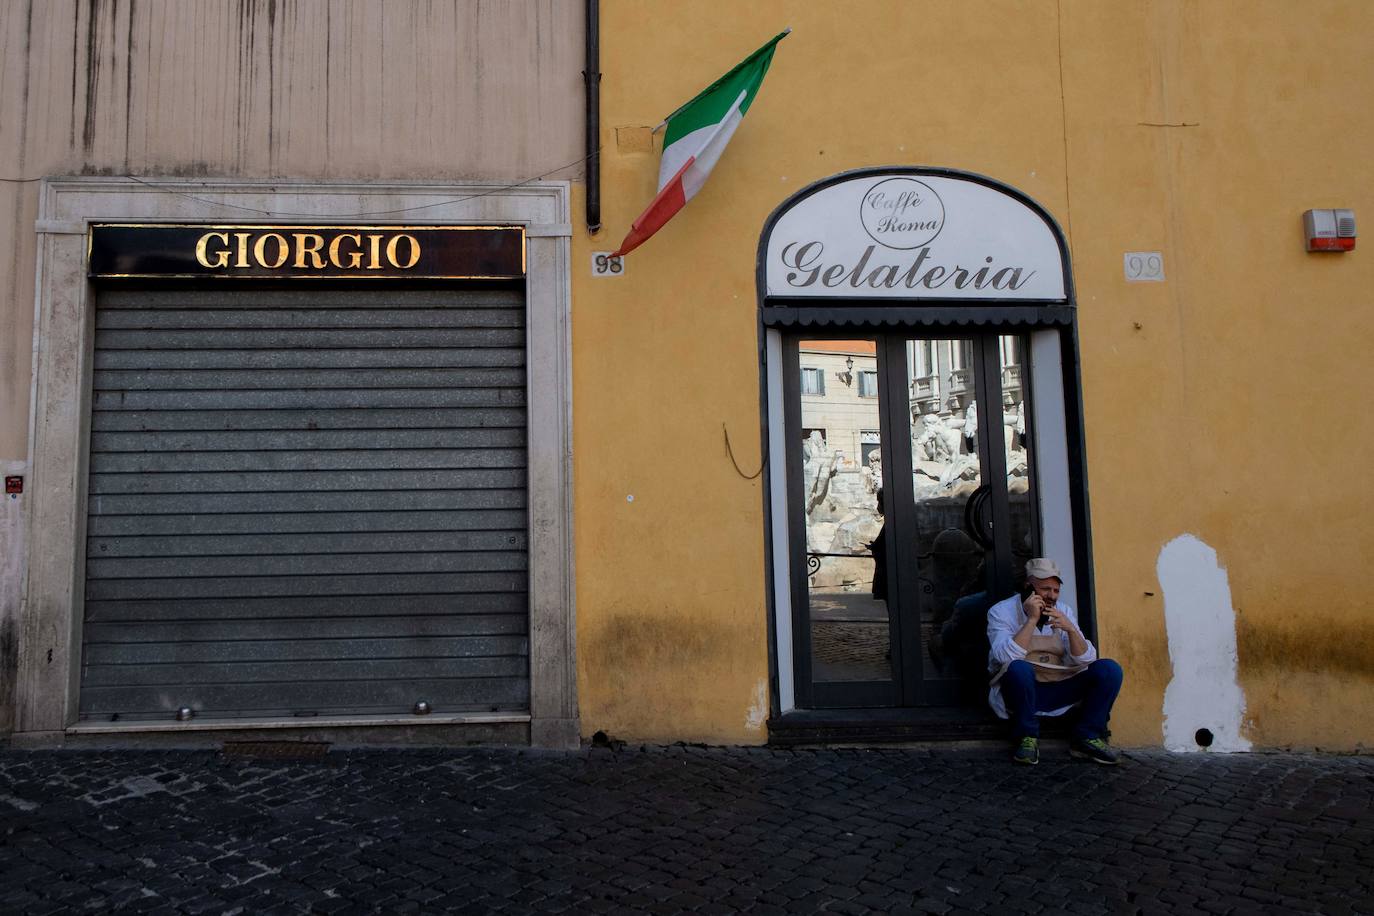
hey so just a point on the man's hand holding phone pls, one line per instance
(1036, 609)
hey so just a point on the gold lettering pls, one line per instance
(283, 251)
(355, 257)
(414, 251)
(242, 259)
(309, 244)
(308, 250)
(202, 252)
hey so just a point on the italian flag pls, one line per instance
(696, 136)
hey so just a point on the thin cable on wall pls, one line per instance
(367, 213)
(729, 450)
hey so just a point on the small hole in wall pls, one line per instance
(1203, 738)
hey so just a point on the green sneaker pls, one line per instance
(1027, 751)
(1095, 749)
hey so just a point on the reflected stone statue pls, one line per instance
(813, 446)
(1018, 464)
(935, 441)
(819, 466)
(873, 472)
(962, 476)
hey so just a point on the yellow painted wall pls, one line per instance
(1224, 402)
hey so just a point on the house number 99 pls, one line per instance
(605, 264)
(1144, 266)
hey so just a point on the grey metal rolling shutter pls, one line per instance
(306, 503)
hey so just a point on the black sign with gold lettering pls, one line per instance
(124, 250)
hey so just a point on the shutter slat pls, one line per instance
(274, 544)
(333, 460)
(265, 524)
(313, 440)
(462, 614)
(356, 697)
(211, 503)
(290, 319)
(350, 419)
(242, 673)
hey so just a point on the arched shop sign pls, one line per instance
(895, 237)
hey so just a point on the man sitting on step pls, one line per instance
(1043, 665)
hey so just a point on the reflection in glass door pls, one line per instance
(950, 544)
(912, 484)
(838, 466)
(1023, 517)
(972, 506)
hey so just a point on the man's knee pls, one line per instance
(1106, 670)
(1020, 672)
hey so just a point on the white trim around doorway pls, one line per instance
(781, 539)
(1050, 427)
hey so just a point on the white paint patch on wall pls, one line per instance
(758, 710)
(1204, 692)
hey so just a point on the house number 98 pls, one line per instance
(605, 264)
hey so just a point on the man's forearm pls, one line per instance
(1023, 635)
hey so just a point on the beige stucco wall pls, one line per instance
(342, 90)
(1222, 403)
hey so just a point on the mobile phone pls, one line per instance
(1045, 619)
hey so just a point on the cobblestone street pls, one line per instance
(684, 829)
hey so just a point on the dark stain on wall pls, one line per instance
(9, 665)
(92, 62)
(129, 80)
(272, 86)
(24, 109)
(1146, 657)
(76, 72)
(1316, 643)
(630, 651)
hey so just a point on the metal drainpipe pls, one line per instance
(592, 76)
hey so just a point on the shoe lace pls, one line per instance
(1029, 743)
(1097, 743)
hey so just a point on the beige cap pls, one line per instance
(1043, 568)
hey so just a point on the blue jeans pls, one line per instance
(1095, 689)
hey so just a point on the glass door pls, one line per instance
(971, 525)
(912, 495)
(842, 611)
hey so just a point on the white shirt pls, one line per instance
(1005, 619)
